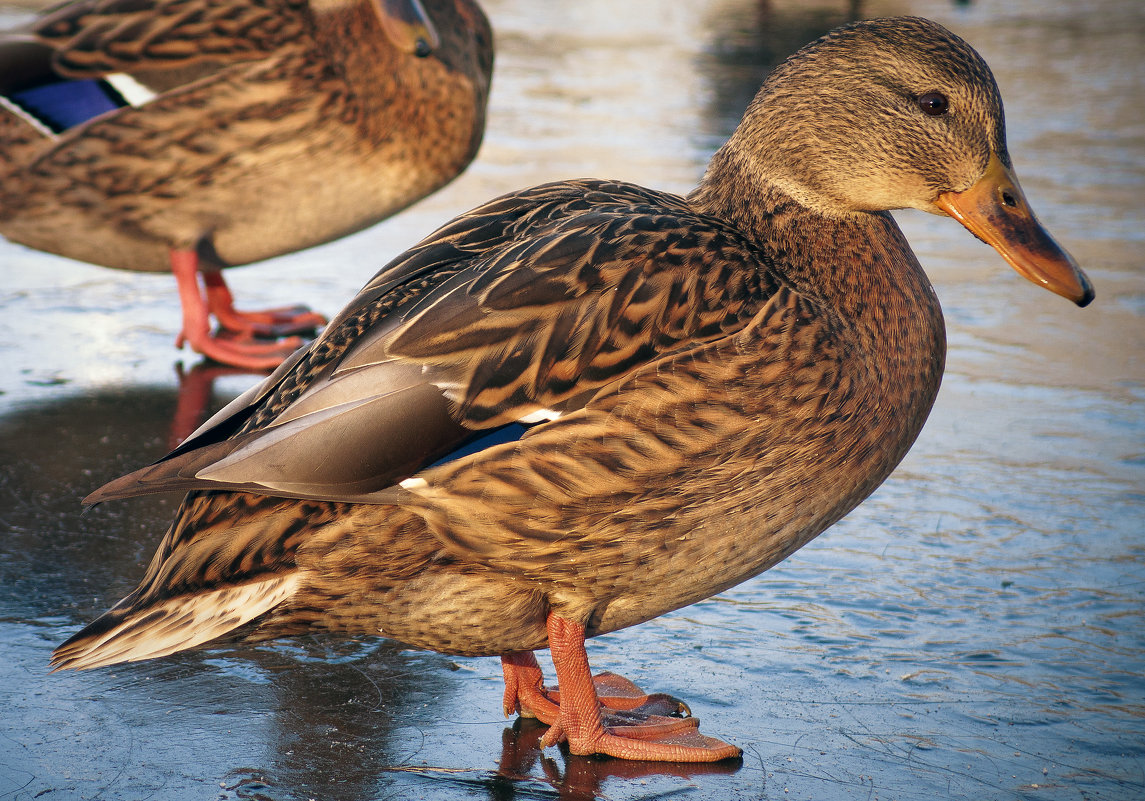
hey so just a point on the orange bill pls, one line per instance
(995, 210)
(408, 26)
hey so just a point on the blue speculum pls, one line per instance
(66, 104)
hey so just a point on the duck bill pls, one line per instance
(407, 26)
(995, 210)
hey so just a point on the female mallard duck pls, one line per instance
(586, 404)
(193, 135)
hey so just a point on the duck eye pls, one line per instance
(934, 103)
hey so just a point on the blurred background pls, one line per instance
(975, 630)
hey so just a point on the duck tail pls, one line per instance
(226, 560)
(127, 633)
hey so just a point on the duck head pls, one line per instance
(899, 113)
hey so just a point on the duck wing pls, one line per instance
(94, 38)
(516, 313)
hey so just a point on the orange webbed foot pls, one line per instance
(235, 351)
(622, 702)
(619, 695)
(606, 714)
(267, 323)
(525, 692)
(237, 343)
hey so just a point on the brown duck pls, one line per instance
(586, 404)
(194, 135)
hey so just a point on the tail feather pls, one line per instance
(125, 634)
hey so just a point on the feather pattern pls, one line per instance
(567, 303)
(107, 36)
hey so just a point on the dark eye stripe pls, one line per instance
(934, 103)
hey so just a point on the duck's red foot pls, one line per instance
(249, 340)
(234, 350)
(619, 695)
(525, 692)
(526, 695)
(268, 323)
(623, 742)
(606, 714)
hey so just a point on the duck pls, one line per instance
(588, 403)
(195, 135)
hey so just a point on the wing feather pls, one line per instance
(519, 311)
(340, 444)
(99, 37)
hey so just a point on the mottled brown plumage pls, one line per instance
(707, 383)
(275, 125)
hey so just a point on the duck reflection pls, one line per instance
(582, 778)
(339, 711)
(197, 398)
(526, 771)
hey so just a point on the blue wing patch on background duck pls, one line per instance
(66, 104)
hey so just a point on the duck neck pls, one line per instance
(810, 246)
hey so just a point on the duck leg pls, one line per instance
(579, 719)
(238, 349)
(270, 323)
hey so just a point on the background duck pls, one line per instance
(194, 135)
(586, 404)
